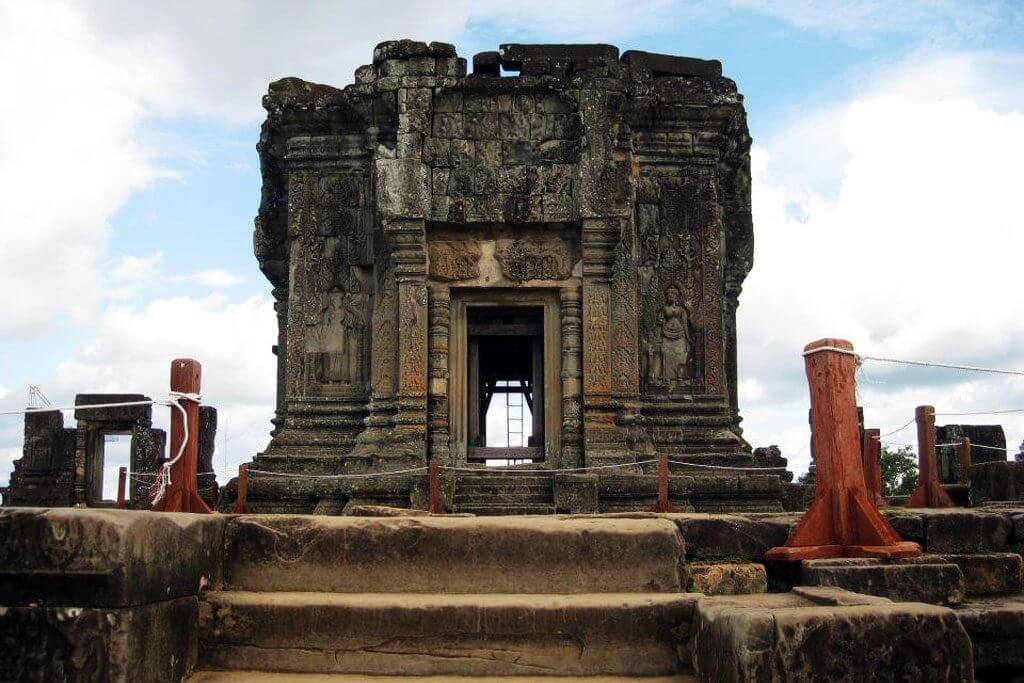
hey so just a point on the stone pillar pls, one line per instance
(572, 376)
(281, 353)
(603, 441)
(437, 400)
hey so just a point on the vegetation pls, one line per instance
(899, 471)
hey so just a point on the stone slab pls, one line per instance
(272, 677)
(988, 573)
(963, 531)
(938, 582)
(730, 537)
(467, 634)
(453, 554)
(996, 628)
(793, 636)
(154, 642)
(109, 558)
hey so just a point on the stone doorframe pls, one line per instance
(458, 352)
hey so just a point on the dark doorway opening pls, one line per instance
(506, 384)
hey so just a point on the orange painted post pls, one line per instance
(929, 492)
(182, 494)
(843, 520)
(663, 505)
(122, 480)
(965, 460)
(243, 490)
(873, 465)
(434, 475)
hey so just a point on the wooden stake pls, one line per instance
(873, 465)
(663, 505)
(965, 460)
(122, 480)
(929, 492)
(243, 490)
(843, 520)
(434, 476)
(182, 494)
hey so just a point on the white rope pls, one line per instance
(174, 398)
(930, 364)
(551, 471)
(987, 412)
(897, 430)
(362, 475)
(88, 406)
(724, 467)
(950, 366)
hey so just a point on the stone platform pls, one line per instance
(124, 595)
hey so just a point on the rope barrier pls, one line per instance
(724, 467)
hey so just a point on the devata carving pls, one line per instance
(451, 260)
(669, 350)
(523, 260)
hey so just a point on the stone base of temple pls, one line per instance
(292, 488)
(128, 595)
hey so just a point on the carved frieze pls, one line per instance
(532, 259)
(452, 260)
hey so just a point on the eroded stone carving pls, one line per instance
(668, 352)
(527, 259)
(454, 260)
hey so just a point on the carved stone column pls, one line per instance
(603, 441)
(280, 352)
(572, 376)
(437, 399)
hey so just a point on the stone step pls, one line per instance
(503, 499)
(530, 485)
(430, 634)
(209, 676)
(453, 554)
(500, 510)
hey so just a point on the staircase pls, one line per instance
(491, 492)
(435, 596)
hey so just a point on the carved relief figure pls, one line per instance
(451, 260)
(669, 351)
(523, 260)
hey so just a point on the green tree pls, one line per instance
(899, 471)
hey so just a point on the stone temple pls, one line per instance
(565, 226)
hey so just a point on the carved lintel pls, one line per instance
(532, 259)
(452, 260)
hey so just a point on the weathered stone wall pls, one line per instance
(621, 184)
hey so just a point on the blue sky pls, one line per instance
(887, 138)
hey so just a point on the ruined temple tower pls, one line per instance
(564, 221)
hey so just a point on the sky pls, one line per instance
(886, 189)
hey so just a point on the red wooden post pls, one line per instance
(434, 475)
(873, 465)
(182, 493)
(965, 460)
(663, 505)
(929, 492)
(843, 520)
(243, 490)
(122, 477)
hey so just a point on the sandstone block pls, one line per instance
(153, 642)
(92, 557)
(996, 629)
(937, 583)
(403, 188)
(471, 635)
(796, 636)
(966, 532)
(729, 536)
(455, 555)
(728, 578)
(986, 573)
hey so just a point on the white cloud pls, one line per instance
(215, 277)
(915, 256)
(136, 268)
(69, 161)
